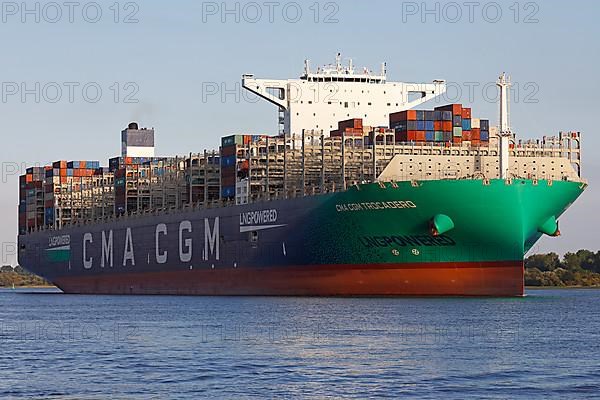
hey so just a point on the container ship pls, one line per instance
(359, 193)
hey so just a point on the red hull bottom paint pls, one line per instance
(431, 279)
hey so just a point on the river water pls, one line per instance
(545, 345)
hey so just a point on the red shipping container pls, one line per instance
(475, 142)
(401, 137)
(229, 151)
(245, 165)
(438, 126)
(457, 140)
(356, 123)
(466, 135)
(247, 139)
(411, 136)
(475, 133)
(407, 115)
(29, 178)
(466, 113)
(420, 136)
(228, 181)
(447, 126)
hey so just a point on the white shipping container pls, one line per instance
(475, 123)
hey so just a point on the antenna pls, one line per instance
(505, 132)
(338, 62)
(306, 67)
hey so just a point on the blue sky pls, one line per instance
(550, 48)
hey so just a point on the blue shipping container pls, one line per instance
(429, 136)
(49, 214)
(466, 124)
(429, 125)
(485, 135)
(457, 121)
(446, 115)
(420, 125)
(420, 115)
(228, 191)
(228, 161)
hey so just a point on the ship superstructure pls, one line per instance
(321, 98)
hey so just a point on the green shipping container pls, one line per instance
(439, 136)
(232, 140)
(457, 132)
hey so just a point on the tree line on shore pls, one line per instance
(18, 277)
(581, 268)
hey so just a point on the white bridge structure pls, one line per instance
(333, 93)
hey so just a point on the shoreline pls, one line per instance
(561, 287)
(30, 287)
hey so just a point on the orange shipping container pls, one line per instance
(408, 115)
(420, 136)
(447, 126)
(466, 113)
(457, 140)
(438, 126)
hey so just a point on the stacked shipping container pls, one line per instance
(234, 167)
(351, 127)
(42, 188)
(446, 124)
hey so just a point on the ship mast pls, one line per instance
(505, 131)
